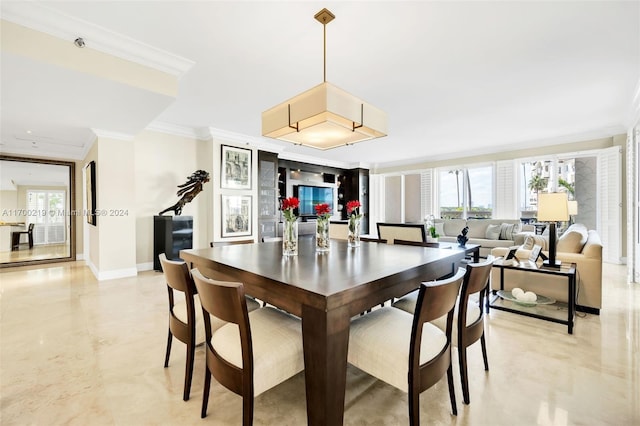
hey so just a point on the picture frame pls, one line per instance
(235, 170)
(512, 254)
(236, 215)
(90, 186)
(535, 253)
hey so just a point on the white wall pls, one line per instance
(162, 162)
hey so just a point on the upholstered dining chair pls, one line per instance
(15, 237)
(252, 352)
(416, 243)
(405, 350)
(468, 317)
(185, 314)
(373, 240)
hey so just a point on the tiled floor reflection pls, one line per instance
(78, 351)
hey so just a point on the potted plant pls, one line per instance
(432, 236)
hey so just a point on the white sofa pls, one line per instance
(489, 233)
(578, 245)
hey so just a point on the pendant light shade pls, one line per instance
(324, 116)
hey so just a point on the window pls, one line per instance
(466, 192)
(48, 208)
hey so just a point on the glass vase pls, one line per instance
(353, 238)
(290, 238)
(322, 235)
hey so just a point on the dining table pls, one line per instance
(326, 290)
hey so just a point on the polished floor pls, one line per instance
(81, 352)
(37, 252)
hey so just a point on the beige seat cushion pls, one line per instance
(277, 347)
(408, 304)
(379, 344)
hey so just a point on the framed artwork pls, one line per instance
(90, 184)
(535, 253)
(236, 215)
(235, 168)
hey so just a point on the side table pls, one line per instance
(546, 312)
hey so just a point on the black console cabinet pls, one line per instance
(170, 235)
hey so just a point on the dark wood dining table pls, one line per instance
(325, 290)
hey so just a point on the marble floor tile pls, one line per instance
(78, 351)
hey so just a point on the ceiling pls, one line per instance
(455, 78)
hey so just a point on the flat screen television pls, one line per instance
(309, 196)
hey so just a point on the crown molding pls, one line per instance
(176, 130)
(112, 135)
(42, 18)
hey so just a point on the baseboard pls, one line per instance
(141, 267)
(588, 310)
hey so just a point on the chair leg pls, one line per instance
(188, 372)
(30, 240)
(484, 352)
(414, 407)
(247, 410)
(464, 376)
(166, 357)
(452, 393)
(205, 392)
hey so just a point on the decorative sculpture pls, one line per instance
(462, 238)
(188, 190)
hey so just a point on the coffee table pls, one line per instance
(547, 312)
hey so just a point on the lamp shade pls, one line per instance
(573, 207)
(324, 117)
(553, 207)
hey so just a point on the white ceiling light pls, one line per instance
(324, 116)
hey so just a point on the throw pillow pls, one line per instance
(533, 240)
(493, 232)
(440, 229)
(571, 242)
(506, 231)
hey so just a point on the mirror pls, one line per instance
(37, 221)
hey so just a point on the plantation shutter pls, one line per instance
(426, 193)
(610, 204)
(506, 191)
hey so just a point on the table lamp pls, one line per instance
(573, 210)
(553, 208)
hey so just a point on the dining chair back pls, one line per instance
(401, 231)
(185, 314)
(468, 316)
(405, 350)
(416, 243)
(251, 353)
(15, 237)
(373, 240)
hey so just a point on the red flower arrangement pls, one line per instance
(353, 206)
(323, 210)
(288, 205)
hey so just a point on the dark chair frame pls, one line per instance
(15, 237)
(435, 299)
(226, 301)
(476, 280)
(417, 243)
(373, 240)
(179, 278)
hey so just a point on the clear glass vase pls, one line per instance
(322, 235)
(290, 238)
(353, 238)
